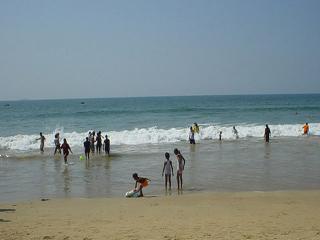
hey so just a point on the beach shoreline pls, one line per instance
(205, 215)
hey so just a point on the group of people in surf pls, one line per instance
(94, 142)
(196, 129)
(91, 144)
(267, 132)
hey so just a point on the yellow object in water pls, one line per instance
(195, 128)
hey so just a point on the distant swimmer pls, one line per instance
(57, 143)
(42, 139)
(235, 132)
(191, 136)
(107, 145)
(267, 133)
(220, 136)
(167, 170)
(99, 142)
(66, 148)
(306, 129)
(180, 167)
(86, 145)
(140, 184)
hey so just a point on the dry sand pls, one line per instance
(254, 215)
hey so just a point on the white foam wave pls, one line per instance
(154, 135)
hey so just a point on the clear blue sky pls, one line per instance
(70, 49)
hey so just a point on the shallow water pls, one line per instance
(143, 129)
(239, 165)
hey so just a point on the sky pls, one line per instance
(87, 49)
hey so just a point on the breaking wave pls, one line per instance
(155, 135)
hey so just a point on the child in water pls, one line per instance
(306, 129)
(191, 136)
(107, 145)
(99, 142)
(180, 167)
(167, 169)
(86, 145)
(42, 139)
(57, 143)
(66, 148)
(235, 132)
(140, 184)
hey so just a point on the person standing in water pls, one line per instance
(42, 139)
(57, 143)
(235, 132)
(66, 148)
(86, 145)
(92, 140)
(267, 133)
(306, 129)
(167, 169)
(180, 167)
(220, 136)
(99, 142)
(107, 145)
(191, 136)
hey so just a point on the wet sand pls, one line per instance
(244, 215)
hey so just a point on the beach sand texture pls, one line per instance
(246, 215)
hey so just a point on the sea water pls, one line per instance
(141, 130)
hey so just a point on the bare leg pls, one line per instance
(166, 181)
(65, 158)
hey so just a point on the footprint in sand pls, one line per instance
(48, 237)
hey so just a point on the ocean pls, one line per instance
(142, 129)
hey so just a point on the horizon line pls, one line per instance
(156, 96)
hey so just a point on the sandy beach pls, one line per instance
(246, 215)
